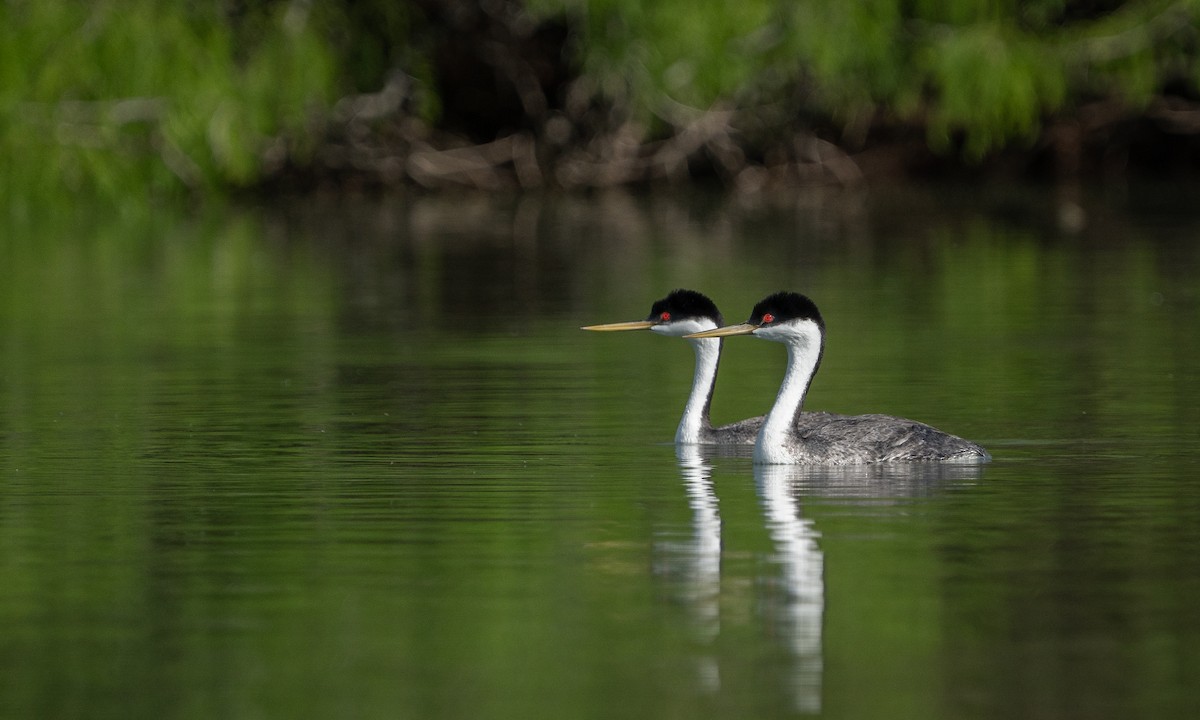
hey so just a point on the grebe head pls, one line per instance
(684, 312)
(680, 313)
(786, 317)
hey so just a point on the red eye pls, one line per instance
(665, 316)
(768, 317)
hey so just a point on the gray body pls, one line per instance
(743, 432)
(822, 438)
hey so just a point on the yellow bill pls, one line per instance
(617, 327)
(743, 329)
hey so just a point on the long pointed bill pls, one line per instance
(617, 327)
(743, 329)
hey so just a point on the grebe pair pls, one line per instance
(787, 434)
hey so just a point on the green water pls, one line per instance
(353, 458)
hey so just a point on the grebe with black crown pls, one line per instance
(681, 313)
(789, 437)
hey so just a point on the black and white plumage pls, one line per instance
(790, 436)
(681, 313)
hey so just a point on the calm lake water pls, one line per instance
(353, 458)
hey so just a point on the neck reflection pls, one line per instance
(795, 596)
(700, 560)
(798, 609)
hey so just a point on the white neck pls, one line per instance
(695, 413)
(804, 352)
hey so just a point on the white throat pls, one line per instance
(708, 351)
(803, 342)
(695, 412)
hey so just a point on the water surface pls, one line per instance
(354, 458)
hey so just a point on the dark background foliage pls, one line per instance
(122, 97)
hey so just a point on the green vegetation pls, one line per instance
(119, 95)
(988, 73)
(149, 95)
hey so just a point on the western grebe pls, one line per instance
(681, 313)
(787, 437)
